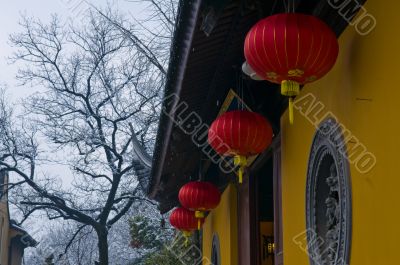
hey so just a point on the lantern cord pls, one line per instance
(273, 8)
(239, 84)
(286, 6)
(290, 6)
(200, 169)
(242, 92)
(237, 78)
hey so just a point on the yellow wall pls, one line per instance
(223, 222)
(363, 91)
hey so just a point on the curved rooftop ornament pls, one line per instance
(143, 162)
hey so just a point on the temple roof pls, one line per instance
(206, 56)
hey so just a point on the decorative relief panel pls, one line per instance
(328, 198)
(216, 252)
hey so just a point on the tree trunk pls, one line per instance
(102, 235)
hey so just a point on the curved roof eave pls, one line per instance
(180, 49)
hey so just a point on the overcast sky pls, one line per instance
(10, 14)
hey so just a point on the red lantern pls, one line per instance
(200, 197)
(185, 221)
(241, 134)
(291, 49)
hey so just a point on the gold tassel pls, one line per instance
(240, 161)
(291, 118)
(290, 89)
(187, 235)
(241, 169)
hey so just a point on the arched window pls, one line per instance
(215, 252)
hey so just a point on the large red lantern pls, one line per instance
(241, 134)
(199, 196)
(185, 221)
(291, 49)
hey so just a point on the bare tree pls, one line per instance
(100, 92)
(163, 14)
(57, 236)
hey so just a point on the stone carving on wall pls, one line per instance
(328, 198)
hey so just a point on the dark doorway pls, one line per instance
(265, 205)
(259, 210)
(269, 207)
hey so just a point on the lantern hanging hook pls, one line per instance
(200, 216)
